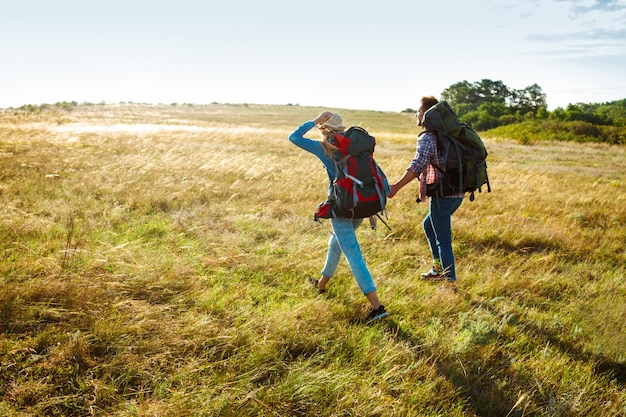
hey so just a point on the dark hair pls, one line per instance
(428, 101)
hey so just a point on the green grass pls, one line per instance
(152, 263)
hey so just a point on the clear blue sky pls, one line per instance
(359, 54)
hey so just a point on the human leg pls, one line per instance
(431, 237)
(441, 210)
(345, 233)
(333, 256)
(344, 230)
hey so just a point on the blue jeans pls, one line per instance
(344, 241)
(438, 228)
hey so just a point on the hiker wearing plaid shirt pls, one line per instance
(437, 223)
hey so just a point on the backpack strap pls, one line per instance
(355, 180)
(379, 191)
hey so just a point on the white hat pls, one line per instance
(335, 122)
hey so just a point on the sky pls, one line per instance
(353, 54)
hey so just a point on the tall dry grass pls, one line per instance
(153, 261)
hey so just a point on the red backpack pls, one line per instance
(360, 188)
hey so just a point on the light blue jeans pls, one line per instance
(344, 241)
(438, 228)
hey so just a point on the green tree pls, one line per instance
(462, 96)
(492, 91)
(542, 113)
(486, 102)
(529, 99)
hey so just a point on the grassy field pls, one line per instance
(152, 263)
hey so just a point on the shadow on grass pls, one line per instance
(478, 381)
(521, 244)
(603, 365)
(486, 381)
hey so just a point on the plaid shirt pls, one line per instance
(426, 157)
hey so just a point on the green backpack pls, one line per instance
(464, 154)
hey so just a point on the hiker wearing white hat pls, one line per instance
(343, 239)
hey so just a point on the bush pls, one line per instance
(551, 129)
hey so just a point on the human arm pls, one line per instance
(404, 180)
(310, 145)
(298, 139)
(426, 146)
(314, 146)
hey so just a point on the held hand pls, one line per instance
(393, 189)
(406, 178)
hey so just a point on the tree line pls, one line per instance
(523, 114)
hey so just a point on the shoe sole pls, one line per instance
(434, 278)
(378, 317)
